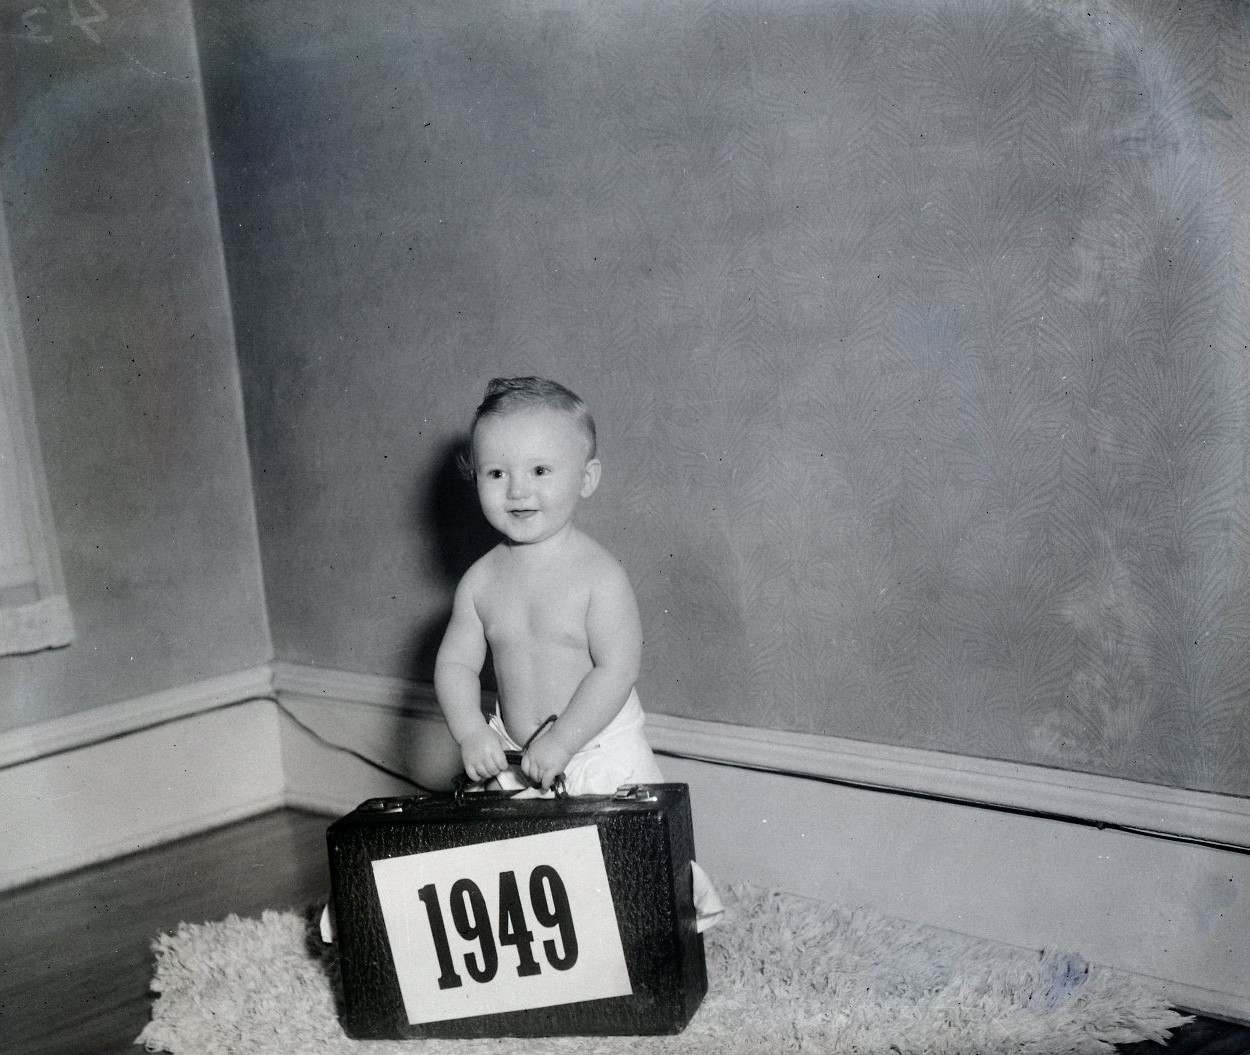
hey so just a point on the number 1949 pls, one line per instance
(549, 903)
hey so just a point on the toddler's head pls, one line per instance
(505, 395)
(533, 457)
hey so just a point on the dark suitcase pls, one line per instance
(488, 916)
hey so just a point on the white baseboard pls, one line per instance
(118, 719)
(1175, 911)
(77, 807)
(1148, 808)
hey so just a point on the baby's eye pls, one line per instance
(495, 474)
(541, 470)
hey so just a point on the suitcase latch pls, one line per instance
(634, 793)
(392, 805)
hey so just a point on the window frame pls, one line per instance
(34, 608)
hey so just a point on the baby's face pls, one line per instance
(531, 469)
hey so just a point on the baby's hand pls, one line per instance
(483, 755)
(544, 760)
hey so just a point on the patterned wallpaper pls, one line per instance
(917, 333)
(952, 413)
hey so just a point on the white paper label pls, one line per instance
(502, 926)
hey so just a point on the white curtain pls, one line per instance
(34, 611)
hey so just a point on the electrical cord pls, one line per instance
(308, 729)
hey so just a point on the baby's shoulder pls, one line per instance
(596, 564)
(482, 572)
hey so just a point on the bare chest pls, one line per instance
(528, 616)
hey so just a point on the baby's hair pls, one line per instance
(506, 394)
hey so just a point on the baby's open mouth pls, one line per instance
(521, 514)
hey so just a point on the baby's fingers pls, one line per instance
(539, 776)
(484, 764)
(479, 774)
(542, 766)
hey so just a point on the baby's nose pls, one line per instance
(516, 487)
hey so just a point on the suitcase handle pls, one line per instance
(461, 784)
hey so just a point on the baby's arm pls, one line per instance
(614, 634)
(458, 685)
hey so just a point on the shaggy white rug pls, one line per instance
(785, 974)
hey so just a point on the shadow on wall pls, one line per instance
(449, 524)
(452, 533)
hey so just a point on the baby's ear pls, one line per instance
(590, 477)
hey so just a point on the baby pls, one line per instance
(554, 607)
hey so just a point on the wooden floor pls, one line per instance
(74, 955)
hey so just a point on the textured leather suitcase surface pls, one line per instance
(489, 916)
